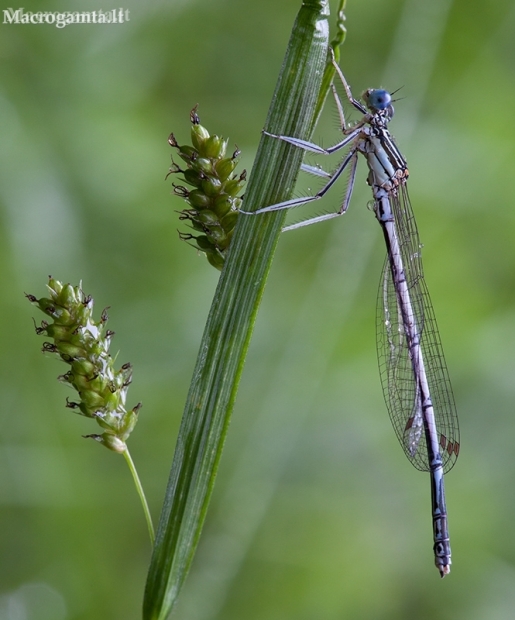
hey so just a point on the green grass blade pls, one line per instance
(232, 315)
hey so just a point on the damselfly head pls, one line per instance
(378, 100)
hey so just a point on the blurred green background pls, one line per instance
(316, 513)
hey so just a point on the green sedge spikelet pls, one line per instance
(83, 344)
(213, 202)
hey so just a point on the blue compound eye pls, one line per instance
(377, 99)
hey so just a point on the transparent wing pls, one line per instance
(396, 368)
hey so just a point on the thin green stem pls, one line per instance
(141, 493)
(334, 51)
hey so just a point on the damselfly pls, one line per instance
(413, 372)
